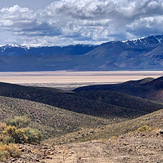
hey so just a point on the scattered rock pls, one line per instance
(161, 132)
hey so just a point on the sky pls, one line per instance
(65, 22)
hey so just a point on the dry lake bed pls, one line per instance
(73, 79)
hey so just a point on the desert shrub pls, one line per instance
(3, 155)
(12, 133)
(34, 136)
(1, 137)
(20, 136)
(19, 121)
(144, 128)
(7, 151)
(7, 139)
(23, 135)
(13, 150)
(17, 134)
(2, 126)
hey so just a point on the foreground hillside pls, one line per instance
(133, 147)
(108, 118)
(137, 146)
(153, 120)
(131, 144)
(51, 121)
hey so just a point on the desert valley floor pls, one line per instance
(74, 79)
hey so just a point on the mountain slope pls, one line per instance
(68, 101)
(120, 99)
(75, 102)
(50, 120)
(146, 88)
(138, 54)
(153, 120)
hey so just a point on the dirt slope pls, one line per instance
(130, 148)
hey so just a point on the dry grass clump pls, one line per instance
(144, 128)
(7, 151)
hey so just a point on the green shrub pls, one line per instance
(33, 135)
(7, 139)
(12, 131)
(23, 135)
(19, 121)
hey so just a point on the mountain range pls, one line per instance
(138, 54)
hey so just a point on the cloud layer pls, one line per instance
(66, 22)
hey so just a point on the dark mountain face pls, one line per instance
(140, 54)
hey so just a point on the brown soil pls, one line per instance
(32, 153)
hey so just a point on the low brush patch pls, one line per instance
(144, 128)
(15, 131)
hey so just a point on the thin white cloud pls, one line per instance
(82, 21)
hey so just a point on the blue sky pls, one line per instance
(64, 22)
(32, 4)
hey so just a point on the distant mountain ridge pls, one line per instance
(139, 54)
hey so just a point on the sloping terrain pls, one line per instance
(133, 147)
(153, 120)
(51, 121)
(139, 54)
(146, 88)
(94, 113)
(120, 99)
(77, 103)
